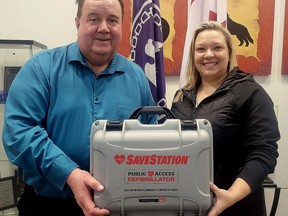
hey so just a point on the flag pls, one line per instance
(147, 46)
(200, 11)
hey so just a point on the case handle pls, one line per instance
(152, 110)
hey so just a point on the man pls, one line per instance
(53, 102)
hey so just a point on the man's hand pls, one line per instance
(82, 183)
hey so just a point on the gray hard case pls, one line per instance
(153, 169)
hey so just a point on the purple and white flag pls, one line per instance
(147, 46)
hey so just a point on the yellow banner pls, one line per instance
(244, 26)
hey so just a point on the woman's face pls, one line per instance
(211, 55)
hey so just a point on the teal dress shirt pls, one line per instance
(51, 106)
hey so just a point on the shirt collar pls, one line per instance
(115, 66)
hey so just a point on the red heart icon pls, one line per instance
(150, 173)
(119, 158)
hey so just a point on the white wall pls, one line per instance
(49, 22)
(52, 23)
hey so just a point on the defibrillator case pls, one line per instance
(153, 169)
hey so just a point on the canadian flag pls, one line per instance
(200, 11)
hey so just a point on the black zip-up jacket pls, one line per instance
(245, 135)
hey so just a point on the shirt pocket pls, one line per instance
(124, 111)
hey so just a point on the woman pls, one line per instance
(245, 128)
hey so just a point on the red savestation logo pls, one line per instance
(152, 159)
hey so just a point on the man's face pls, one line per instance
(99, 29)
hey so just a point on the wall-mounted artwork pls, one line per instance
(285, 42)
(251, 23)
(174, 24)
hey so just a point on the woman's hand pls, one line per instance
(226, 198)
